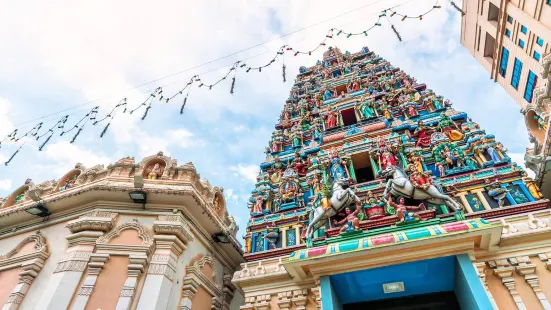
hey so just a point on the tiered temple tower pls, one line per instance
(436, 196)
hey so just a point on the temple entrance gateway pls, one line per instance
(439, 283)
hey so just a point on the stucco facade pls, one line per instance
(95, 248)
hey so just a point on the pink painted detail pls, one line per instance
(317, 251)
(388, 238)
(457, 226)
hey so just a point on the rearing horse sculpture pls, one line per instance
(342, 197)
(398, 184)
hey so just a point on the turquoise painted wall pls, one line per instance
(468, 289)
(329, 298)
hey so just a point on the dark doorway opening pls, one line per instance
(434, 301)
(362, 167)
(349, 117)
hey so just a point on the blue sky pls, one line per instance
(64, 54)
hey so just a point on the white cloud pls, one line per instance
(247, 172)
(6, 126)
(180, 138)
(65, 155)
(5, 184)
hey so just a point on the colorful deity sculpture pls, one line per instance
(331, 119)
(351, 221)
(416, 161)
(366, 109)
(155, 172)
(405, 213)
(496, 191)
(277, 171)
(532, 187)
(449, 128)
(386, 154)
(258, 206)
(337, 168)
(272, 234)
(492, 152)
(419, 179)
(299, 165)
(423, 134)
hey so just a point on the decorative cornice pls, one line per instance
(147, 240)
(95, 221)
(173, 225)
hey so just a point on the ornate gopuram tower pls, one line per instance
(376, 194)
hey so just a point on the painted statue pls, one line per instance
(258, 206)
(272, 234)
(337, 166)
(351, 221)
(423, 134)
(403, 212)
(398, 184)
(495, 191)
(299, 165)
(331, 119)
(278, 168)
(365, 109)
(532, 187)
(155, 172)
(449, 128)
(416, 161)
(343, 196)
(419, 179)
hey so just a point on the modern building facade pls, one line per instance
(512, 41)
(132, 235)
(509, 39)
(412, 204)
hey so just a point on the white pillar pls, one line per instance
(135, 269)
(160, 273)
(26, 278)
(68, 273)
(96, 264)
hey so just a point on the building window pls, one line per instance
(537, 56)
(516, 73)
(523, 29)
(530, 85)
(508, 32)
(504, 62)
(348, 117)
(539, 41)
(520, 43)
(493, 12)
(509, 19)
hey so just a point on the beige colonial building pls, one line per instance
(132, 235)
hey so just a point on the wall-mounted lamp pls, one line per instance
(39, 209)
(138, 196)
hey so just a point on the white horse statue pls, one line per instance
(398, 184)
(342, 197)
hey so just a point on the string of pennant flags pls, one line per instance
(42, 134)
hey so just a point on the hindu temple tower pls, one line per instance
(414, 204)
